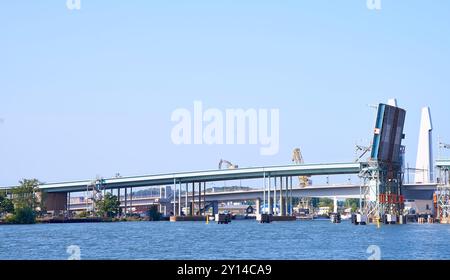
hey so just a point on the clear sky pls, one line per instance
(91, 91)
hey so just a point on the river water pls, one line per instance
(302, 240)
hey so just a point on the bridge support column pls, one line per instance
(120, 202)
(126, 201)
(179, 200)
(286, 195)
(192, 210)
(186, 213)
(282, 209)
(204, 197)
(275, 211)
(269, 200)
(335, 210)
(258, 206)
(215, 207)
(264, 193)
(291, 211)
(200, 198)
(174, 196)
(131, 200)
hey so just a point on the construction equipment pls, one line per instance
(228, 165)
(297, 158)
(363, 150)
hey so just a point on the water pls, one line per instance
(313, 240)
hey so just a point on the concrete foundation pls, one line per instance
(283, 218)
(188, 219)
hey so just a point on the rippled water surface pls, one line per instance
(238, 240)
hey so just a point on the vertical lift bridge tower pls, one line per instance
(383, 175)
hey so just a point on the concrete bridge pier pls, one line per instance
(282, 208)
(258, 206)
(192, 208)
(335, 210)
(269, 199)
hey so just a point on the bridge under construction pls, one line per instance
(381, 190)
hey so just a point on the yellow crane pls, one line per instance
(297, 158)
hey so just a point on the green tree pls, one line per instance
(25, 215)
(352, 203)
(6, 204)
(25, 195)
(108, 206)
(326, 202)
(315, 202)
(154, 214)
(26, 202)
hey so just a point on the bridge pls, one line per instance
(209, 176)
(58, 194)
(411, 191)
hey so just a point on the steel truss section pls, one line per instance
(382, 190)
(442, 197)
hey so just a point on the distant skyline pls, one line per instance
(91, 92)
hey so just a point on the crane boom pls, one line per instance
(297, 158)
(228, 164)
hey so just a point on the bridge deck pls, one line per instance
(211, 176)
(443, 163)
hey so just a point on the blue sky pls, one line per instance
(91, 91)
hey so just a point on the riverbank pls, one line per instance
(83, 220)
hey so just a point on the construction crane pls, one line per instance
(297, 158)
(363, 149)
(228, 165)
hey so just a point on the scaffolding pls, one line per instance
(442, 196)
(381, 194)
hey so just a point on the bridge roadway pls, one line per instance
(340, 191)
(411, 191)
(443, 163)
(211, 176)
